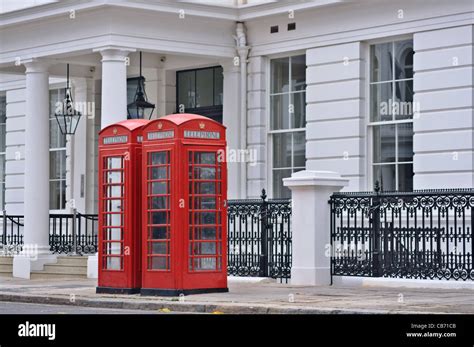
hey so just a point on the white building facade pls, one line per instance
(373, 90)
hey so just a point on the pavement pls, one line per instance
(247, 297)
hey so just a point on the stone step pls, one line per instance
(72, 261)
(65, 270)
(43, 275)
(6, 268)
(6, 260)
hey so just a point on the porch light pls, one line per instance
(67, 117)
(140, 108)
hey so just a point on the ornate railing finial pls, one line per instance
(264, 194)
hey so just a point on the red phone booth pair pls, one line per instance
(162, 214)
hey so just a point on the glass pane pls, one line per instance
(114, 163)
(298, 72)
(2, 167)
(3, 108)
(205, 218)
(3, 133)
(157, 248)
(113, 220)
(381, 60)
(113, 263)
(159, 188)
(55, 195)
(385, 174)
(113, 177)
(159, 172)
(113, 234)
(158, 263)
(203, 203)
(202, 248)
(405, 177)
(404, 59)
(114, 248)
(204, 158)
(218, 86)
(282, 150)
(113, 206)
(204, 188)
(280, 111)
(279, 191)
(279, 75)
(207, 233)
(205, 264)
(403, 106)
(114, 192)
(187, 89)
(157, 158)
(204, 87)
(158, 233)
(299, 149)
(405, 142)
(381, 102)
(204, 173)
(298, 106)
(384, 143)
(159, 217)
(158, 202)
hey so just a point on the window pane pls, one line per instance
(280, 191)
(381, 58)
(114, 163)
(385, 174)
(403, 107)
(405, 142)
(404, 59)
(299, 149)
(2, 137)
(158, 158)
(158, 233)
(279, 116)
(282, 150)
(381, 102)
(204, 158)
(405, 177)
(55, 195)
(187, 89)
(279, 75)
(204, 87)
(384, 143)
(298, 72)
(56, 165)
(218, 86)
(298, 117)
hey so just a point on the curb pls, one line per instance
(187, 307)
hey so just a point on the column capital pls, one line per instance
(114, 53)
(34, 65)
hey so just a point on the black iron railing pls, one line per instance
(259, 237)
(421, 234)
(11, 238)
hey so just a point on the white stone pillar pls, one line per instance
(310, 193)
(36, 230)
(231, 116)
(114, 84)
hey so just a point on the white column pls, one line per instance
(310, 193)
(231, 116)
(36, 230)
(114, 84)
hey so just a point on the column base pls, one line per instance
(311, 276)
(23, 264)
(93, 266)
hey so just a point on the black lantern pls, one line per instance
(68, 118)
(140, 108)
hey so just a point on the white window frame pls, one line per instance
(370, 125)
(52, 119)
(268, 130)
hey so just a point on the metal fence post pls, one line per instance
(264, 236)
(74, 238)
(376, 254)
(4, 233)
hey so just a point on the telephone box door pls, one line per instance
(205, 253)
(159, 237)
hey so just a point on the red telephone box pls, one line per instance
(184, 238)
(119, 207)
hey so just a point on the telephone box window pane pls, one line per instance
(205, 188)
(203, 203)
(113, 263)
(114, 163)
(113, 177)
(158, 263)
(114, 234)
(204, 248)
(114, 191)
(157, 248)
(207, 233)
(158, 158)
(204, 158)
(204, 263)
(159, 188)
(158, 173)
(113, 220)
(113, 205)
(205, 173)
(159, 233)
(159, 217)
(159, 202)
(204, 218)
(114, 248)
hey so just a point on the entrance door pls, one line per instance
(205, 251)
(158, 222)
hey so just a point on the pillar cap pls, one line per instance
(308, 178)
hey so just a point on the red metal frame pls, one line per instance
(119, 206)
(179, 135)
